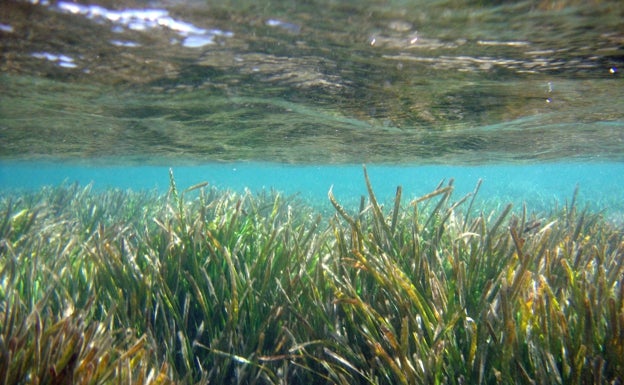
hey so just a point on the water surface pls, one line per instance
(296, 96)
(451, 82)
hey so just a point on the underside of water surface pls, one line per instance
(451, 82)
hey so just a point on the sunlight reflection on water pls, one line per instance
(145, 19)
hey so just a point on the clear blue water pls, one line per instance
(541, 187)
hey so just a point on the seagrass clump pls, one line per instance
(439, 294)
(53, 327)
(204, 286)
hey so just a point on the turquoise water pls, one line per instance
(540, 187)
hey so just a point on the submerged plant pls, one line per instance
(49, 333)
(434, 297)
(207, 286)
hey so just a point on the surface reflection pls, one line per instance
(305, 82)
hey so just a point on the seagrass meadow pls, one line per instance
(202, 286)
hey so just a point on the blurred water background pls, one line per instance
(296, 95)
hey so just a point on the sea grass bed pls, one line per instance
(203, 286)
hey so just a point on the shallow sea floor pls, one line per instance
(199, 285)
(182, 197)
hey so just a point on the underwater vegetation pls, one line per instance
(204, 286)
